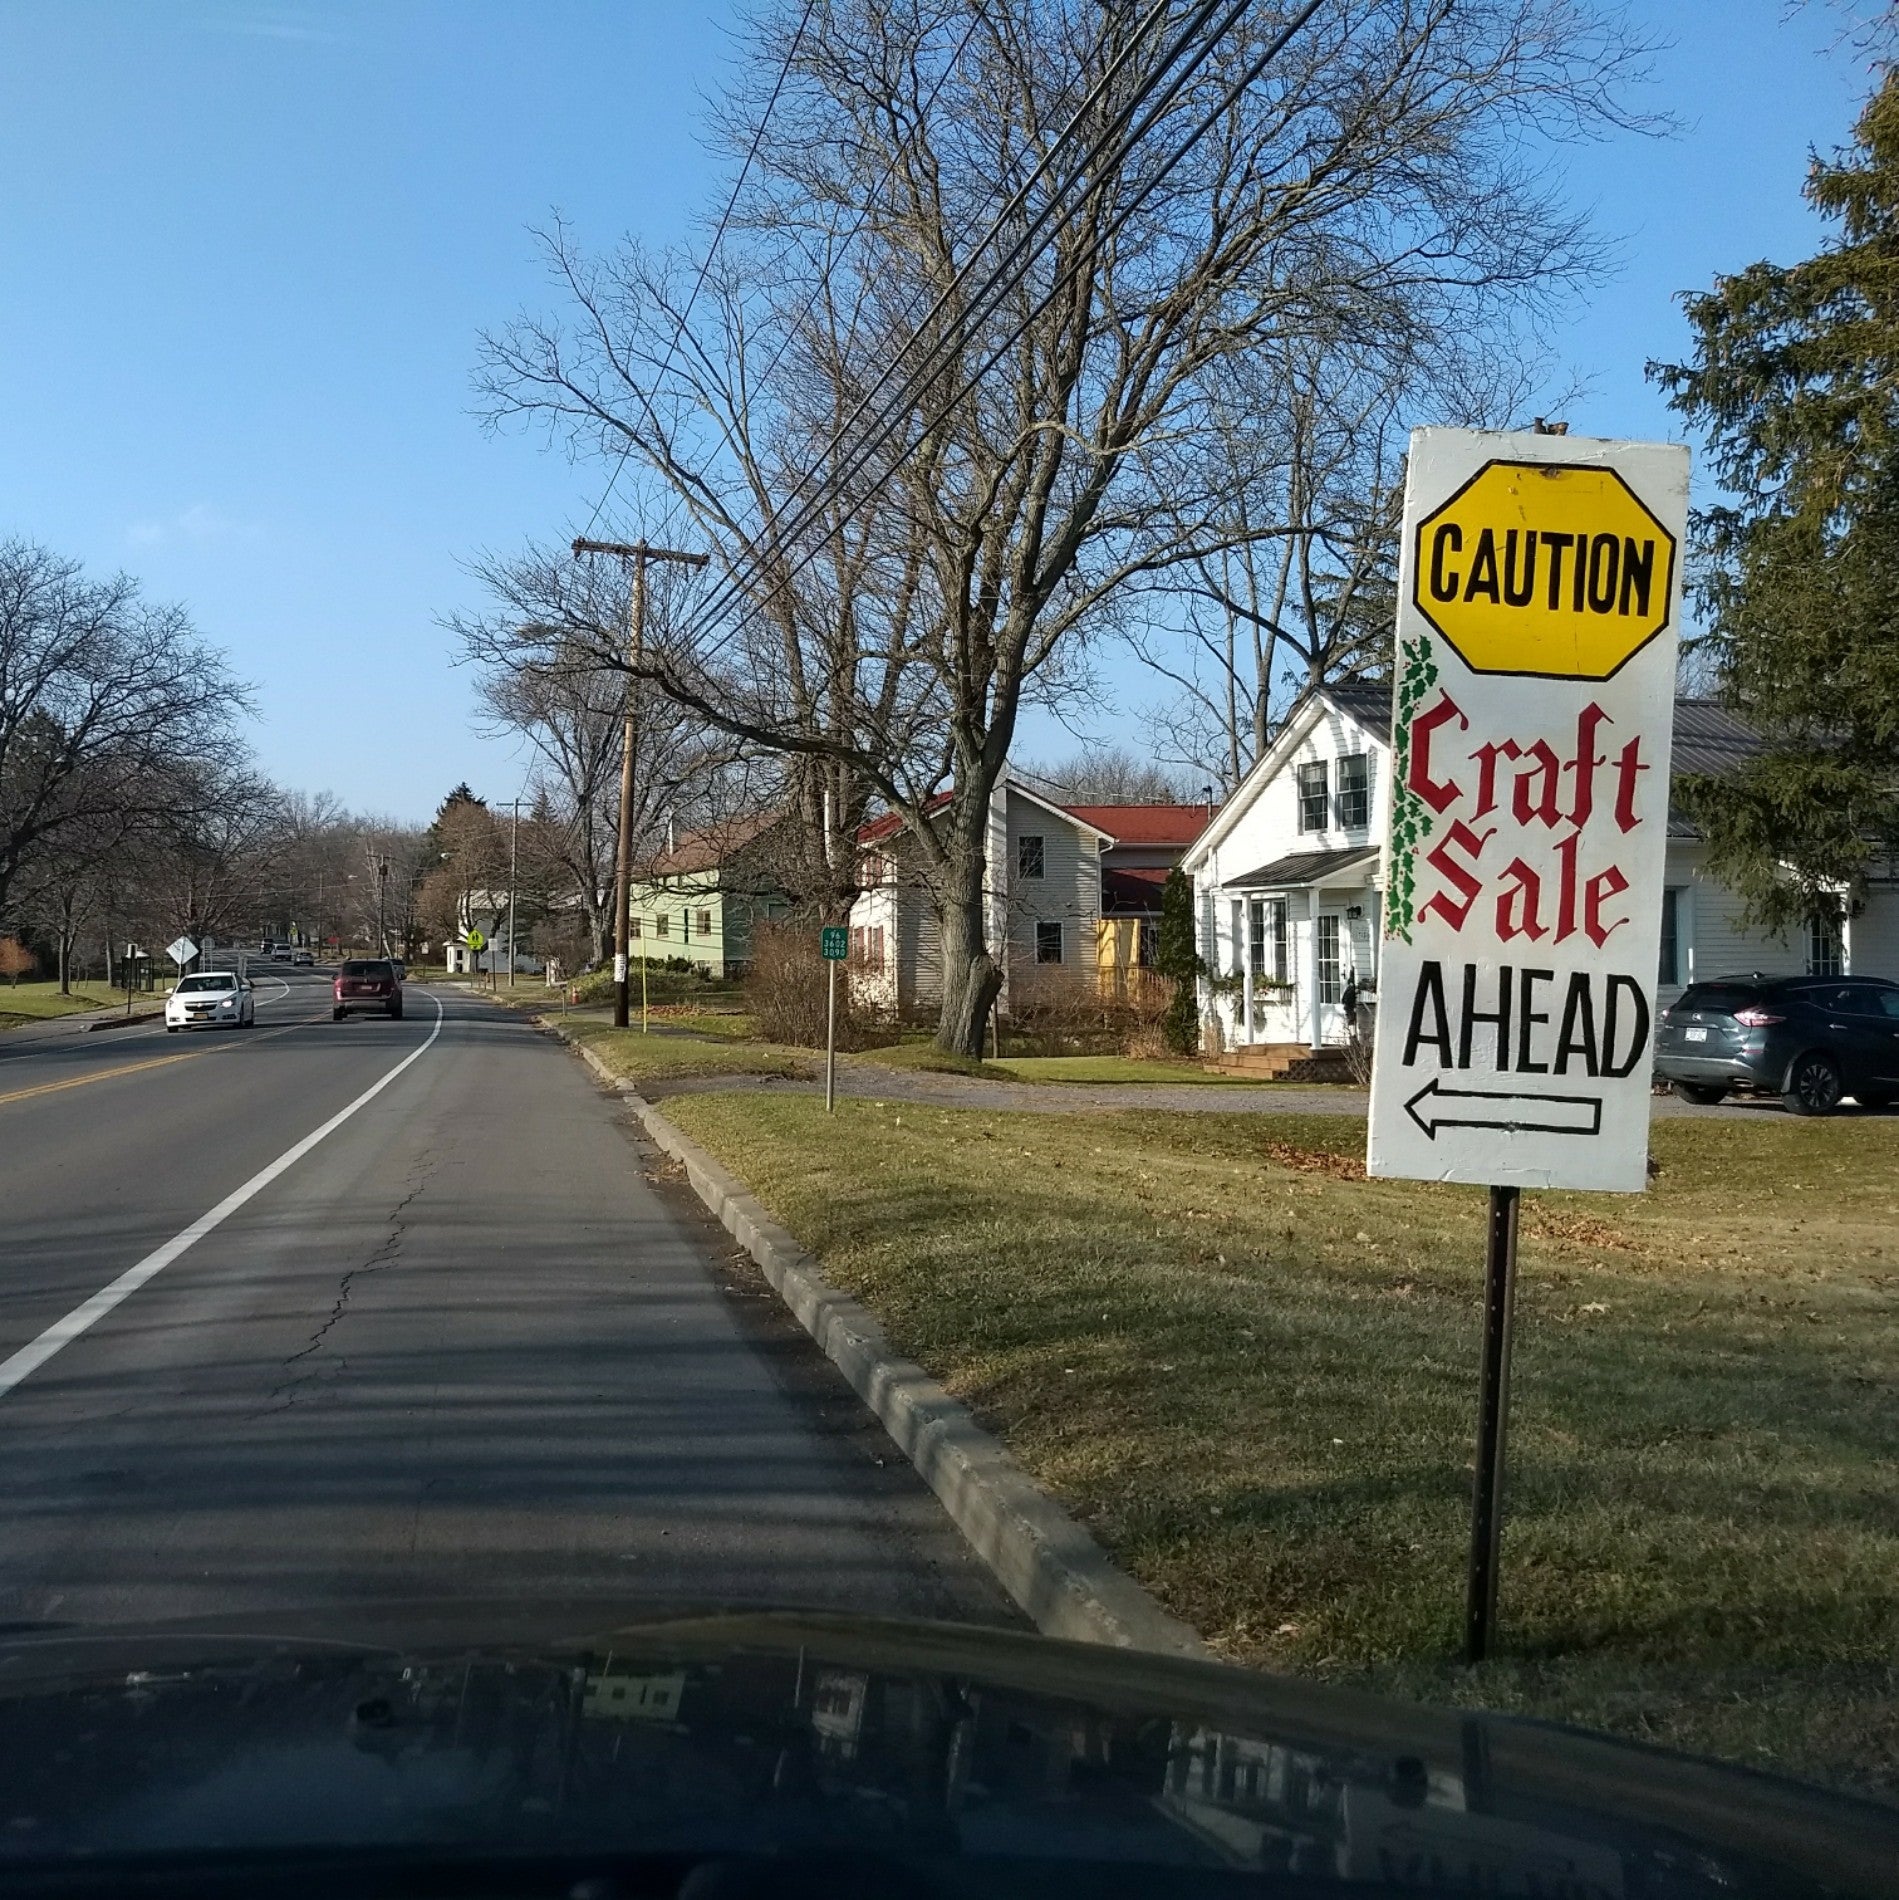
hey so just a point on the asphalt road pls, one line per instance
(466, 1345)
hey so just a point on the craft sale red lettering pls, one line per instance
(1535, 893)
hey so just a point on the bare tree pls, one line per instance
(1112, 775)
(103, 697)
(571, 707)
(1049, 439)
(205, 868)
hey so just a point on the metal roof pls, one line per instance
(1366, 701)
(1302, 867)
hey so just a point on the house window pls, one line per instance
(1331, 980)
(634, 925)
(1354, 792)
(662, 924)
(1048, 938)
(1312, 796)
(1270, 945)
(705, 924)
(867, 948)
(1028, 860)
(1670, 971)
(1826, 950)
(1147, 945)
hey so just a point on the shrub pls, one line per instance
(786, 987)
(16, 960)
(1179, 961)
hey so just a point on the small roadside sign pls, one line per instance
(1539, 603)
(834, 942)
(181, 950)
(476, 941)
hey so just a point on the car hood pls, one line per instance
(953, 1753)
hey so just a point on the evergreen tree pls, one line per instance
(1795, 381)
(1176, 958)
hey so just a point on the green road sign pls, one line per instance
(476, 941)
(835, 942)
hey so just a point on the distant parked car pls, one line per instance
(365, 983)
(210, 999)
(1810, 1040)
(303, 960)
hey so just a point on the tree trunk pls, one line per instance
(972, 978)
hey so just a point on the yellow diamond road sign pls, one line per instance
(1544, 568)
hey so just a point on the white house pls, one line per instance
(1071, 887)
(1287, 880)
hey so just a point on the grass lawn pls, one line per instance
(919, 1052)
(667, 1058)
(1253, 1373)
(36, 1002)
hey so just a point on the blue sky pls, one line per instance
(246, 247)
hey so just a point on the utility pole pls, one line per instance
(514, 845)
(638, 554)
(382, 884)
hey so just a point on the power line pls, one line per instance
(705, 263)
(884, 426)
(736, 584)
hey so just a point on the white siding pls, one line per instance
(1874, 935)
(1713, 940)
(1266, 829)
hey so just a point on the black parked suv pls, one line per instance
(1808, 1039)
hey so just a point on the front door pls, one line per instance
(1329, 956)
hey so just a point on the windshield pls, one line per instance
(357, 968)
(189, 985)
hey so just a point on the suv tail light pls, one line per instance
(1754, 1017)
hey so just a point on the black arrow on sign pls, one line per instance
(1518, 1113)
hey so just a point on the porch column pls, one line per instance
(1244, 950)
(1312, 965)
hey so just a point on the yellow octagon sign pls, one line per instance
(1544, 568)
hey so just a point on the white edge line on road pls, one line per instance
(28, 1360)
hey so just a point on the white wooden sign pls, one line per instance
(1539, 601)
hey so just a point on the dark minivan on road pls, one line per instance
(1811, 1040)
(367, 983)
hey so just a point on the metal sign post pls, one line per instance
(1539, 596)
(1493, 1412)
(834, 945)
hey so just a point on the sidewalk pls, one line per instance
(146, 1008)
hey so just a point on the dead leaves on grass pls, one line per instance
(1339, 1167)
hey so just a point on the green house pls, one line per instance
(700, 899)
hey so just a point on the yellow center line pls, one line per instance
(101, 1075)
(154, 1062)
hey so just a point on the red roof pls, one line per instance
(891, 822)
(706, 850)
(1146, 824)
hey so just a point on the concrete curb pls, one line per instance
(1047, 1562)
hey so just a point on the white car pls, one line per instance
(209, 1000)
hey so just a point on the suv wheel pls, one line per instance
(336, 1015)
(1813, 1085)
(1702, 1094)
